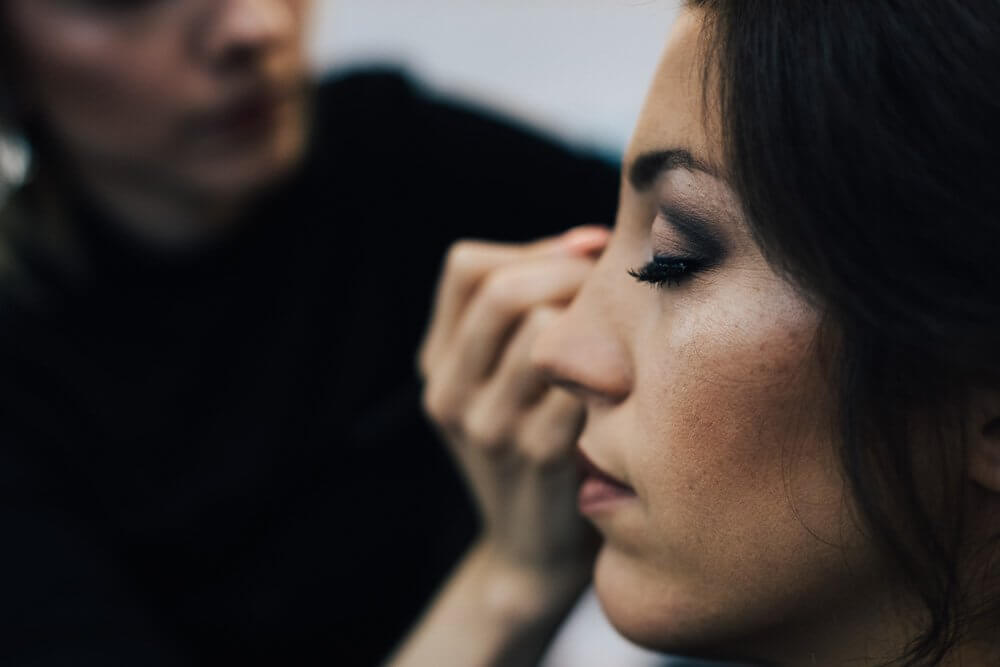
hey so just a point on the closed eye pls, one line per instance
(666, 271)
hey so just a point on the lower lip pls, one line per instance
(254, 117)
(247, 121)
(598, 495)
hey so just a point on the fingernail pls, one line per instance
(586, 239)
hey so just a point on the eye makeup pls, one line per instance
(684, 243)
(698, 233)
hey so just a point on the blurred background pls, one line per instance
(578, 68)
(574, 69)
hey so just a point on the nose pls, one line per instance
(243, 30)
(583, 350)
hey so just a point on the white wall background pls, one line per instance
(578, 68)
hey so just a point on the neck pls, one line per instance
(876, 636)
(862, 638)
(158, 213)
(867, 627)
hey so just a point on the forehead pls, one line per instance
(673, 114)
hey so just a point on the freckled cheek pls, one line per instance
(716, 425)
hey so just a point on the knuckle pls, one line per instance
(437, 404)
(484, 433)
(461, 260)
(543, 347)
(541, 317)
(501, 292)
(544, 455)
(547, 440)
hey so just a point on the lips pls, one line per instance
(253, 112)
(599, 491)
(249, 111)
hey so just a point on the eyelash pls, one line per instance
(665, 271)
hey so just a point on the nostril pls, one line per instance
(572, 387)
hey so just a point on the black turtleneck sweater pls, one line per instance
(218, 458)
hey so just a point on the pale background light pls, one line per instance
(576, 68)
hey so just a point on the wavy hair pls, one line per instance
(863, 138)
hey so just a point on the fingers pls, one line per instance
(512, 389)
(525, 475)
(548, 434)
(468, 264)
(511, 432)
(549, 479)
(505, 299)
(491, 320)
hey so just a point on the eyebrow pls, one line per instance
(649, 166)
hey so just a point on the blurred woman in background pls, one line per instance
(211, 449)
(792, 439)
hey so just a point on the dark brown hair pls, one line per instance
(863, 138)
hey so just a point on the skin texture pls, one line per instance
(512, 435)
(511, 432)
(708, 398)
(142, 101)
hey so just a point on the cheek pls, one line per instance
(100, 85)
(733, 442)
(300, 9)
(742, 492)
(734, 394)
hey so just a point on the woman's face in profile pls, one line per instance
(199, 94)
(731, 530)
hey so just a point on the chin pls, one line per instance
(651, 610)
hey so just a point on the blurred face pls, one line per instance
(205, 96)
(714, 476)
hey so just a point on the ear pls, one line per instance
(984, 444)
